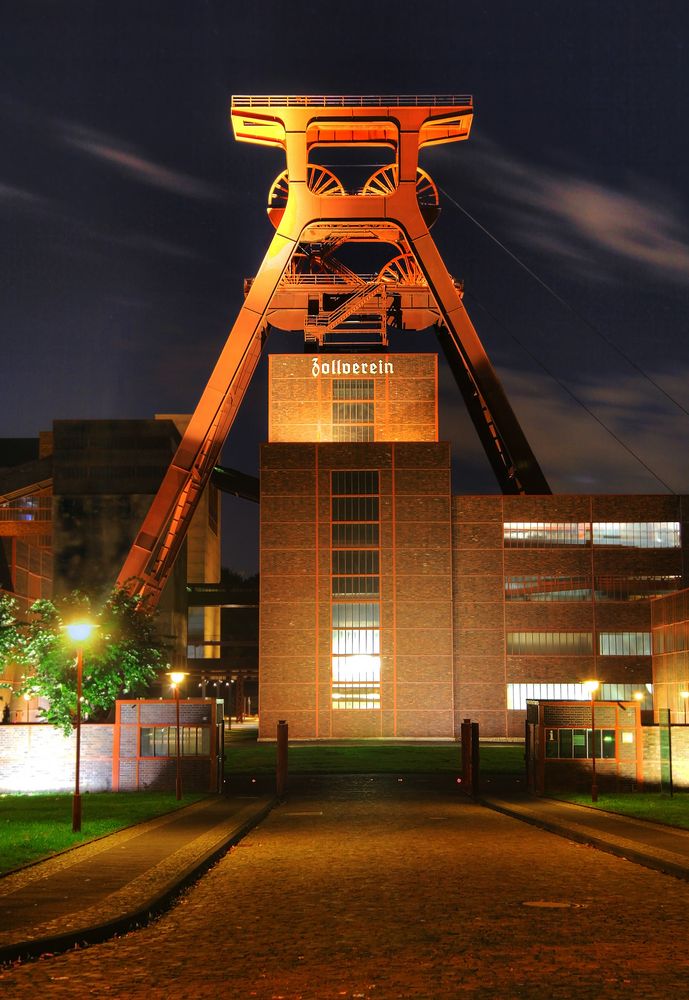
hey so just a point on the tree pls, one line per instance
(123, 657)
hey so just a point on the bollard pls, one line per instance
(475, 763)
(281, 763)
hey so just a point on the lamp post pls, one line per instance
(684, 695)
(27, 699)
(78, 632)
(592, 687)
(176, 678)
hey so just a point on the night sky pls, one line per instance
(130, 216)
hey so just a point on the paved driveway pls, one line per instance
(375, 888)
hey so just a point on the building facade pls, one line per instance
(390, 608)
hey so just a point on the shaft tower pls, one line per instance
(303, 284)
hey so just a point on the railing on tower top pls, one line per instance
(352, 100)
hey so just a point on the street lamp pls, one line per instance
(176, 678)
(592, 687)
(78, 632)
(684, 695)
(27, 699)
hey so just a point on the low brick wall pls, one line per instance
(680, 757)
(35, 757)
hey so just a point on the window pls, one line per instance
(671, 638)
(161, 741)
(360, 483)
(547, 588)
(518, 694)
(624, 643)
(552, 643)
(578, 743)
(638, 535)
(355, 573)
(355, 534)
(355, 508)
(541, 534)
(354, 388)
(635, 588)
(352, 421)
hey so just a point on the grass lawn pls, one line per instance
(655, 806)
(36, 826)
(371, 758)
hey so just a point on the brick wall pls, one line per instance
(482, 616)
(415, 590)
(37, 757)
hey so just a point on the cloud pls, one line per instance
(584, 221)
(575, 452)
(131, 162)
(20, 197)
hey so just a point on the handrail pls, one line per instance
(351, 100)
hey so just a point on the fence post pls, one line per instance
(467, 768)
(475, 782)
(281, 762)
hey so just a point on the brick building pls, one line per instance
(390, 608)
(72, 501)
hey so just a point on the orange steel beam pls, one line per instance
(313, 216)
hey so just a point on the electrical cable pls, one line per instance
(566, 305)
(569, 391)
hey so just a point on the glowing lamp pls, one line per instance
(591, 687)
(79, 631)
(684, 694)
(176, 676)
(639, 695)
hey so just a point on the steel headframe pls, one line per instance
(300, 277)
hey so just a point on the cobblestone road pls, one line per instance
(379, 889)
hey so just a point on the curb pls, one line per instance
(140, 915)
(627, 854)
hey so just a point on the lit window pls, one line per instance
(552, 643)
(631, 534)
(569, 743)
(624, 643)
(352, 421)
(639, 535)
(355, 573)
(161, 741)
(353, 388)
(519, 694)
(541, 534)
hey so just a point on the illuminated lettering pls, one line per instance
(337, 367)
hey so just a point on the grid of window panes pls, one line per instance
(32, 573)
(578, 743)
(638, 535)
(519, 694)
(552, 643)
(355, 579)
(541, 587)
(635, 588)
(358, 389)
(542, 534)
(29, 508)
(630, 534)
(672, 638)
(161, 741)
(353, 409)
(547, 588)
(624, 643)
